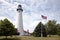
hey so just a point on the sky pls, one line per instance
(32, 11)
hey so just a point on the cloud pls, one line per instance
(32, 11)
(1, 18)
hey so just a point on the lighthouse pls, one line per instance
(20, 20)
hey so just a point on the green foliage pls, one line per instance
(37, 31)
(51, 27)
(58, 29)
(7, 28)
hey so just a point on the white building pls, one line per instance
(26, 33)
(20, 20)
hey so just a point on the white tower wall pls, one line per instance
(20, 21)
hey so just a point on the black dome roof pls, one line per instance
(19, 8)
(19, 5)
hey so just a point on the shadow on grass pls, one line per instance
(10, 39)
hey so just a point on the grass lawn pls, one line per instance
(9, 38)
(40, 38)
(30, 38)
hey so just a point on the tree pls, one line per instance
(37, 31)
(17, 33)
(58, 29)
(7, 28)
(44, 31)
(51, 27)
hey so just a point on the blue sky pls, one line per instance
(33, 9)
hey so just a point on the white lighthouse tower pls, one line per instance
(20, 20)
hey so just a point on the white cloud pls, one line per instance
(3, 17)
(32, 11)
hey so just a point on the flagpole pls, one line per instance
(44, 17)
(41, 31)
